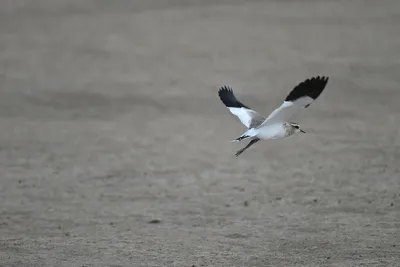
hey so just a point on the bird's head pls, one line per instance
(296, 127)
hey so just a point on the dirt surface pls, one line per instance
(114, 146)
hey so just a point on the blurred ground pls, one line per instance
(109, 119)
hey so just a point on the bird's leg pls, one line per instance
(252, 142)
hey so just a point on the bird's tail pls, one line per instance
(246, 135)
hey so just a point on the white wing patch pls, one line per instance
(287, 110)
(246, 116)
(301, 96)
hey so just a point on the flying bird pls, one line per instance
(276, 125)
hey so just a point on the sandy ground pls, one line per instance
(109, 119)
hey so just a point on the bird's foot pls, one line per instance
(240, 138)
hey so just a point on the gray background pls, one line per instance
(109, 118)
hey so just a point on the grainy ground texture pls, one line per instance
(110, 121)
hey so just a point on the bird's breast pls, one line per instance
(274, 131)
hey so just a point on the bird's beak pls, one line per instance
(302, 131)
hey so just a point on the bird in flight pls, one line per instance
(276, 125)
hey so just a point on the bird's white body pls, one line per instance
(275, 131)
(276, 125)
(272, 131)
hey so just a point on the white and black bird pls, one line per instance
(276, 125)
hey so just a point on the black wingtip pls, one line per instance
(228, 98)
(311, 87)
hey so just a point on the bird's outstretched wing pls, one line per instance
(247, 116)
(300, 97)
